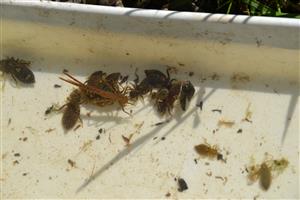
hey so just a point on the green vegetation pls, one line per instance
(274, 8)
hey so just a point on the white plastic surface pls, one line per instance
(85, 38)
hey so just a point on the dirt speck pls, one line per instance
(182, 185)
(71, 163)
(15, 162)
(49, 130)
(57, 86)
(240, 77)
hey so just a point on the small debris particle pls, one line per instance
(161, 123)
(88, 114)
(206, 163)
(50, 178)
(24, 139)
(9, 122)
(71, 162)
(49, 110)
(163, 138)
(65, 71)
(225, 123)
(239, 77)
(127, 139)
(215, 77)
(17, 155)
(248, 114)
(180, 64)
(127, 54)
(100, 130)
(98, 137)
(24, 174)
(219, 177)
(182, 185)
(168, 194)
(224, 179)
(4, 155)
(195, 160)
(154, 138)
(138, 126)
(209, 174)
(220, 157)
(86, 145)
(109, 139)
(77, 127)
(191, 73)
(217, 110)
(15, 162)
(240, 130)
(200, 105)
(57, 86)
(49, 130)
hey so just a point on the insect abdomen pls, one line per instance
(70, 116)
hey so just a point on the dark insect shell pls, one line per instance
(187, 92)
(156, 78)
(23, 74)
(18, 68)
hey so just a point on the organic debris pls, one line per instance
(227, 124)
(248, 114)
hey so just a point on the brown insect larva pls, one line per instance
(72, 110)
(265, 176)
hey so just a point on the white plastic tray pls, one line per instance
(85, 38)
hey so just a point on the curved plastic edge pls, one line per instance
(159, 14)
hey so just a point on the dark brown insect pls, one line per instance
(160, 95)
(187, 92)
(95, 79)
(18, 69)
(167, 104)
(140, 89)
(157, 79)
(72, 111)
(209, 151)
